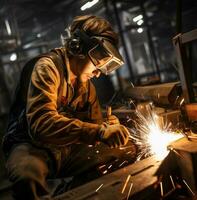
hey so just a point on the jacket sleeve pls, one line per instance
(45, 123)
(95, 110)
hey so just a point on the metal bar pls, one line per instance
(189, 36)
(184, 70)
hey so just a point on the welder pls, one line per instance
(56, 128)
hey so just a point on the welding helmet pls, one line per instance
(104, 55)
(100, 49)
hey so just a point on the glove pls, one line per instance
(112, 120)
(114, 135)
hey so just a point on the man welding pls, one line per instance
(56, 127)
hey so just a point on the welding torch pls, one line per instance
(111, 119)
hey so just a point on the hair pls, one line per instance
(94, 26)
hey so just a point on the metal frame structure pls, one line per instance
(180, 42)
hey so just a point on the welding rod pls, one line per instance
(108, 110)
(161, 188)
(189, 188)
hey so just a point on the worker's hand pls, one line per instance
(112, 120)
(114, 135)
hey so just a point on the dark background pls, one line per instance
(31, 27)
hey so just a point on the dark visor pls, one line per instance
(105, 56)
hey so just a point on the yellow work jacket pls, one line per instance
(50, 125)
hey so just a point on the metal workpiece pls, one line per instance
(165, 94)
(191, 111)
(135, 180)
(185, 154)
(147, 179)
(180, 42)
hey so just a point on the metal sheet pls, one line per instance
(142, 178)
(187, 159)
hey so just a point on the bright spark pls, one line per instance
(161, 188)
(150, 136)
(109, 166)
(99, 188)
(125, 184)
(172, 181)
(189, 188)
(129, 191)
(182, 101)
(123, 163)
(159, 140)
(102, 166)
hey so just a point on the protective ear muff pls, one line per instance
(74, 45)
(80, 43)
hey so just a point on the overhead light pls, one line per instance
(140, 22)
(38, 35)
(137, 18)
(8, 27)
(26, 46)
(89, 4)
(140, 30)
(13, 57)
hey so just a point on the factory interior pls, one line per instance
(153, 94)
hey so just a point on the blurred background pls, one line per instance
(146, 28)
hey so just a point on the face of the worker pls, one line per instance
(87, 70)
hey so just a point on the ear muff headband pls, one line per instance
(80, 43)
(104, 55)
